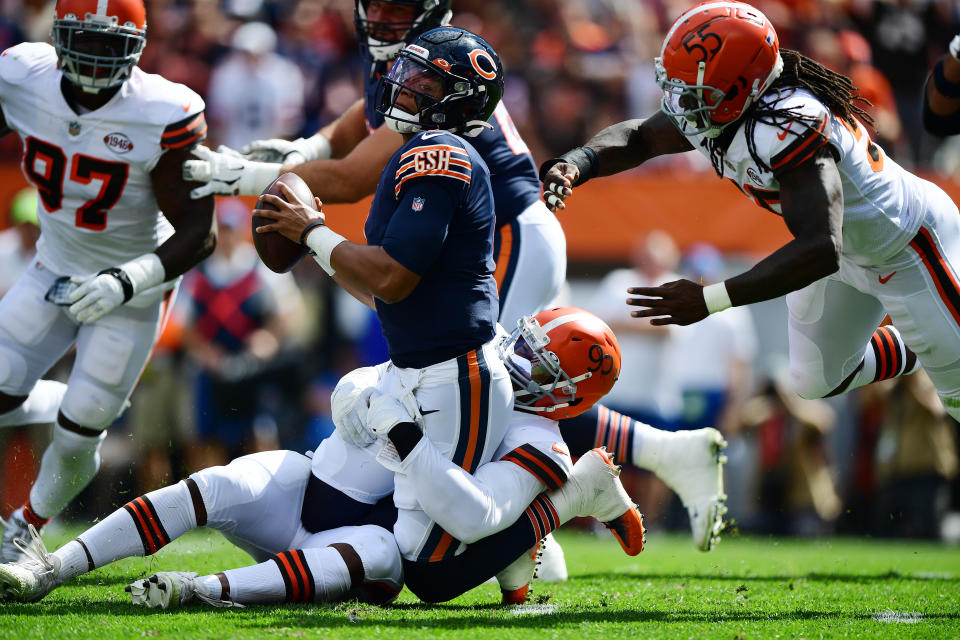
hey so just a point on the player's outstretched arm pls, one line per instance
(811, 198)
(355, 176)
(335, 140)
(617, 148)
(941, 99)
(195, 225)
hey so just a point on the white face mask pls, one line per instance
(400, 121)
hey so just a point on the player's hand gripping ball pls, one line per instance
(278, 252)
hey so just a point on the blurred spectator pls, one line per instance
(794, 489)
(254, 93)
(239, 320)
(941, 97)
(717, 354)
(915, 458)
(647, 389)
(18, 243)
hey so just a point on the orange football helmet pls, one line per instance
(98, 42)
(561, 362)
(716, 61)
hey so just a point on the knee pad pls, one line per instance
(91, 406)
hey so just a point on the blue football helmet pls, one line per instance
(453, 76)
(384, 29)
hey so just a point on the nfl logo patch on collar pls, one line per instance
(418, 204)
(73, 128)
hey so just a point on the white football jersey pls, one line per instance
(97, 205)
(883, 204)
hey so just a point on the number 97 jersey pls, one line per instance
(92, 170)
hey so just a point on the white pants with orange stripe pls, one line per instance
(466, 404)
(531, 459)
(111, 353)
(531, 257)
(832, 320)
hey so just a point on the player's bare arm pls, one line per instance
(942, 94)
(354, 176)
(196, 230)
(347, 131)
(366, 270)
(811, 197)
(617, 148)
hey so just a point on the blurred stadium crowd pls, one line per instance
(250, 357)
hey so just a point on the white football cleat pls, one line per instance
(515, 579)
(593, 489)
(553, 564)
(15, 527)
(171, 590)
(691, 463)
(33, 578)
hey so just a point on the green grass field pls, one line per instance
(746, 588)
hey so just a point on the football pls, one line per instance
(279, 253)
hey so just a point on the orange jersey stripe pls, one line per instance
(445, 541)
(503, 258)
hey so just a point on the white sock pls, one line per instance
(141, 527)
(300, 575)
(67, 466)
(40, 407)
(647, 445)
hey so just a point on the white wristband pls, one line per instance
(322, 242)
(316, 147)
(716, 297)
(256, 176)
(144, 272)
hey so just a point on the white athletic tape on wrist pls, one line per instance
(257, 176)
(316, 147)
(716, 297)
(322, 241)
(144, 272)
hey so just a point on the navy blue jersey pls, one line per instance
(513, 174)
(433, 213)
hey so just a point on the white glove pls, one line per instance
(288, 151)
(100, 294)
(349, 404)
(348, 407)
(226, 172)
(385, 413)
(95, 297)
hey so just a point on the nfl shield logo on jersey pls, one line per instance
(73, 128)
(418, 204)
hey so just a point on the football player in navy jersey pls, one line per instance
(529, 245)
(428, 272)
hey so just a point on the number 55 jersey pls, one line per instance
(92, 169)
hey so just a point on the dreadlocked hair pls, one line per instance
(836, 91)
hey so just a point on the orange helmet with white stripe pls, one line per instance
(98, 42)
(716, 61)
(561, 362)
